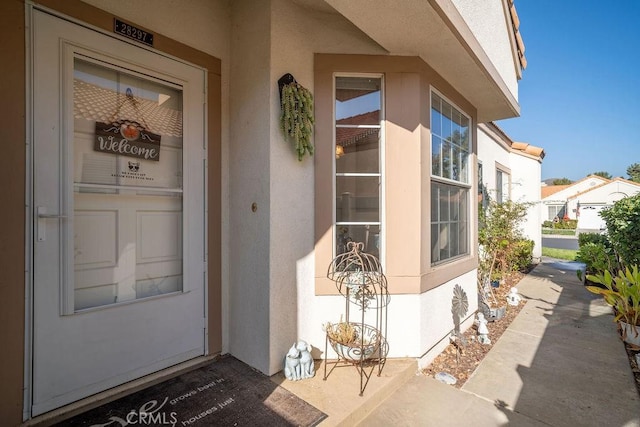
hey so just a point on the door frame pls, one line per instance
(97, 20)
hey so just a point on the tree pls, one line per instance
(562, 181)
(634, 172)
(604, 174)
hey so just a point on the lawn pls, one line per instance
(568, 254)
(559, 232)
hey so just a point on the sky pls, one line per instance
(580, 93)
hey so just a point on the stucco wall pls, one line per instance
(491, 151)
(487, 20)
(525, 179)
(249, 170)
(436, 320)
(298, 33)
(201, 24)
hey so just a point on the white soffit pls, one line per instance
(435, 31)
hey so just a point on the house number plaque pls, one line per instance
(132, 32)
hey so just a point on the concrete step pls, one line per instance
(338, 396)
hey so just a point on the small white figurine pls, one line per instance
(483, 331)
(292, 364)
(513, 298)
(307, 368)
(298, 363)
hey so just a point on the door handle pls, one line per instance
(42, 214)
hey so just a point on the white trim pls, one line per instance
(348, 174)
(357, 126)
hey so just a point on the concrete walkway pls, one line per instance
(560, 363)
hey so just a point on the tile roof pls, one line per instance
(528, 149)
(548, 190)
(516, 32)
(350, 136)
(96, 103)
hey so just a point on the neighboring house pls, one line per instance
(554, 197)
(191, 229)
(584, 199)
(588, 203)
(509, 170)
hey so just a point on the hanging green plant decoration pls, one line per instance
(296, 119)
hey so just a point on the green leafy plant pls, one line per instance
(584, 238)
(503, 246)
(297, 119)
(503, 249)
(522, 255)
(623, 228)
(597, 257)
(622, 292)
(566, 224)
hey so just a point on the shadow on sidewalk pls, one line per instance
(579, 372)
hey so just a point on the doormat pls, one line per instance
(226, 392)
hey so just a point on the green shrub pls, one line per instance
(547, 224)
(522, 255)
(598, 257)
(566, 224)
(623, 228)
(503, 248)
(585, 238)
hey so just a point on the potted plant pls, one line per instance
(352, 341)
(622, 292)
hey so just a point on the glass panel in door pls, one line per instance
(127, 182)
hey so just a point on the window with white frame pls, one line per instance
(358, 168)
(503, 185)
(450, 181)
(556, 211)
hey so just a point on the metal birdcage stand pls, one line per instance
(359, 340)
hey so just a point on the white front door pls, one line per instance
(118, 199)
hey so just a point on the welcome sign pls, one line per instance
(127, 138)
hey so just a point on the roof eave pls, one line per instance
(435, 31)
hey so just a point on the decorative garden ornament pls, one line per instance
(513, 298)
(307, 368)
(298, 363)
(292, 364)
(297, 117)
(483, 331)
